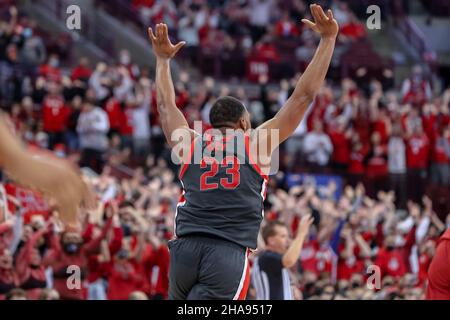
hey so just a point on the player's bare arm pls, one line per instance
(290, 115)
(171, 117)
(53, 177)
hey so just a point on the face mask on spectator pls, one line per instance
(399, 241)
(54, 62)
(308, 286)
(126, 230)
(71, 248)
(60, 154)
(27, 32)
(123, 254)
(125, 59)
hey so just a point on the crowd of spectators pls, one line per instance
(235, 33)
(104, 118)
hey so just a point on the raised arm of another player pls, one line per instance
(289, 116)
(170, 116)
(44, 172)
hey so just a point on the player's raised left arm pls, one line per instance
(289, 116)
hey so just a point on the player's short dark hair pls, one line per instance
(226, 110)
(269, 229)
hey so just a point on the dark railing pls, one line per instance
(413, 35)
(121, 9)
(91, 31)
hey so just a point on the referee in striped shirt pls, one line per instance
(270, 276)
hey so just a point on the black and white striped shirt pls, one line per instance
(270, 279)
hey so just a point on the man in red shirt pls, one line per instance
(127, 126)
(83, 71)
(124, 277)
(390, 259)
(438, 273)
(341, 146)
(286, 28)
(353, 30)
(67, 251)
(55, 115)
(51, 70)
(115, 115)
(417, 152)
(157, 265)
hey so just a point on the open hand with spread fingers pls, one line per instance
(324, 24)
(162, 47)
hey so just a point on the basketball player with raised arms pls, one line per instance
(221, 208)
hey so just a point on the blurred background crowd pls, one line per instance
(373, 145)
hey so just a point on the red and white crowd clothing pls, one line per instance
(55, 114)
(417, 151)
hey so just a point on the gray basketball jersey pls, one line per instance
(223, 192)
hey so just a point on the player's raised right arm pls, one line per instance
(289, 116)
(170, 116)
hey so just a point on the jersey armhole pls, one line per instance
(253, 164)
(185, 165)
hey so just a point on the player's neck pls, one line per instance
(223, 129)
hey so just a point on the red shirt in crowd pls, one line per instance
(377, 162)
(59, 260)
(114, 112)
(391, 263)
(267, 51)
(353, 30)
(126, 124)
(50, 73)
(158, 266)
(424, 264)
(81, 73)
(348, 266)
(438, 272)
(55, 114)
(123, 280)
(286, 29)
(417, 149)
(32, 279)
(341, 147)
(316, 258)
(380, 126)
(97, 268)
(429, 125)
(356, 164)
(143, 3)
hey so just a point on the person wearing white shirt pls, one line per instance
(397, 166)
(317, 146)
(141, 120)
(92, 128)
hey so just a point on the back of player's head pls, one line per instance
(225, 111)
